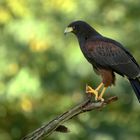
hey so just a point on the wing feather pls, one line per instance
(110, 54)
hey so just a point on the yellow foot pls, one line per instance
(92, 91)
(102, 93)
(100, 99)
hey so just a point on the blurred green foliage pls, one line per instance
(43, 73)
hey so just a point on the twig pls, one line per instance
(84, 106)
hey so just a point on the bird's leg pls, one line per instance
(98, 88)
(100, 97)
(94, 91)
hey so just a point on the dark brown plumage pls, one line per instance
(107, 57)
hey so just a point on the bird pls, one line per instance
(108, 57)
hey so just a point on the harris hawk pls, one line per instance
(107, 57)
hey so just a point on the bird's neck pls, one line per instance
(82, 38)
(82, 42)
(87, 35)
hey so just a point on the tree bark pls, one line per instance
(57, 124)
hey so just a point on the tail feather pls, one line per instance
(135, 83)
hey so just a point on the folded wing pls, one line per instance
(109, 54)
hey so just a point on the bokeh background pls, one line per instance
(43, 73)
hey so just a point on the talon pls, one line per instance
(100, 99)
(92, 91)
(95, 92)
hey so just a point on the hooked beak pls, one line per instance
(68, 30)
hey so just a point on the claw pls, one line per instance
(100, 99)
(92, 91)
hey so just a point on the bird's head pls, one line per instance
(79, 28)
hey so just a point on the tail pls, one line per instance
(135, 83)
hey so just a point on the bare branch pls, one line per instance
(84, 106)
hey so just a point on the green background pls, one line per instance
(43, 73)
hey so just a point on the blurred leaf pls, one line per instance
(43, 72)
